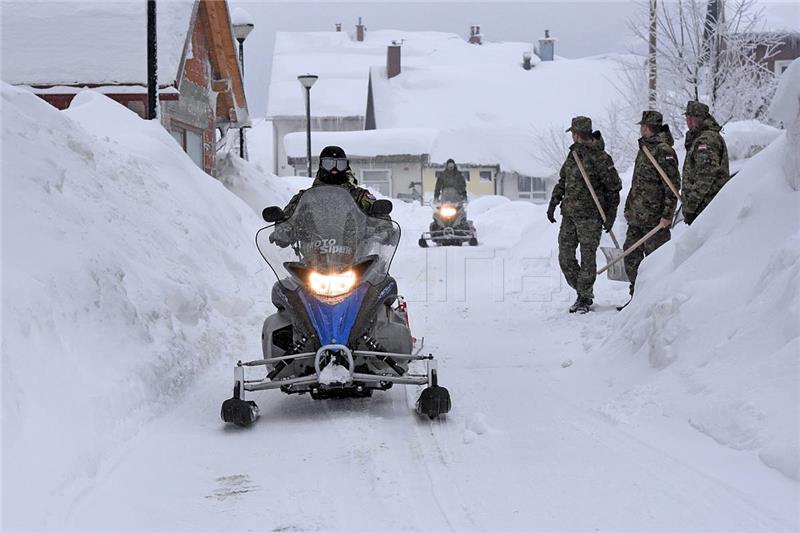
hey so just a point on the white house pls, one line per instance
(487, 111)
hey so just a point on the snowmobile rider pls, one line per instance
(334, 169)
(705, 169)
(650, 201)
(450, 178)
(581, 224)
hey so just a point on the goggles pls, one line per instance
(329, 163)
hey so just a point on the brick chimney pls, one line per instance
(360, 31)
(547, 47)
(393, 60)
(475, 36)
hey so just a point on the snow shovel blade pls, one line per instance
(617, 270)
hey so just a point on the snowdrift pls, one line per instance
(127, 270)
(712, 335)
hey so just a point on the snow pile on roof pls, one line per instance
(489, 109)
(126, 270)
(369, 143)
(712, 338)
(91, 42)
(746, 138)
(343, 65)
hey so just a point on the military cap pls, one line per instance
(651, 118)
(696, 109)
(581, 125)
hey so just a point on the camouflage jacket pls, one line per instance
(363, 198)
(451, 179)
(705, 169)
(650, 199)
(571, 191)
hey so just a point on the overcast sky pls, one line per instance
(582, 28)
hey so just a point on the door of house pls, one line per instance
(378, 179)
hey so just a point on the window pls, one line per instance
(781, 65)
(486, 176)
(191, 140)
(378, 179)
(531, 188)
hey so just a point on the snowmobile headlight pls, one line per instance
(332, 284)
(447, 211)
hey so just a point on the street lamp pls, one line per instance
(242, 26)
(307, 81)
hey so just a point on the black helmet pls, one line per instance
(333, 165)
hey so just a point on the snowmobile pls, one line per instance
(450, 226)
(340, 329)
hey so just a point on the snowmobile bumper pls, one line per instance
(449, 235)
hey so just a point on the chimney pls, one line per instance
(393, 60)
(475, 36)
(360, 31)
(338, 26)
(546, 47)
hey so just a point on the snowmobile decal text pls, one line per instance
(329, 246)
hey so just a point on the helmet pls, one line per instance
(333, 165)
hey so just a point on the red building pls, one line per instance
(59, 49)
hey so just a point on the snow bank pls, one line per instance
(712, 336)
(126, 271)
(259, 145)
(785, 109)
(745, 138)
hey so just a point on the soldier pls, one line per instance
(705, 169)
(450, 178)
(581, 223)
(650, 202)
(334, 169)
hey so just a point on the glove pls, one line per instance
(281, 236)
(609, 223)
(551, 213)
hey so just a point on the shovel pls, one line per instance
(613, 255)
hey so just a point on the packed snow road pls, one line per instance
(522, 449)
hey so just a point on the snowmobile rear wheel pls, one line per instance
(423, 243)
(473, 241)
(239, 412)
(434, 400)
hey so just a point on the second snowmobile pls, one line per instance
(450, 226)
(340, 329)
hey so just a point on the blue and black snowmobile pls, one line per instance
(340, 329)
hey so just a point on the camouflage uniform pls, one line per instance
(650, 199)
(581, 224)
(705, 169)
(450, 179)
(363, 198)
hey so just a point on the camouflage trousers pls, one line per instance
(583, 232)
(635, 258)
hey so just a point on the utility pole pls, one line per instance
(652, 72)
(152, 68)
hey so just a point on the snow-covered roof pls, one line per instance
(369, 143)
(488, 108)
(90, 42)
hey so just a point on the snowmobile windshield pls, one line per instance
(451, 196)
(329, 240)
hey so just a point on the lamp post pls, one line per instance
(242, 26)
(307, 81)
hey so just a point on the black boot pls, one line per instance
(574, 307)
(584, 305)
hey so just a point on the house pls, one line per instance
(58, 49)
(786, 52)
(489, 105)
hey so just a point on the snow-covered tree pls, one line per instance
(711, 51)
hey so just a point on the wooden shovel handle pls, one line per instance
(661, 172)
(631, 249)
(594, 195)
